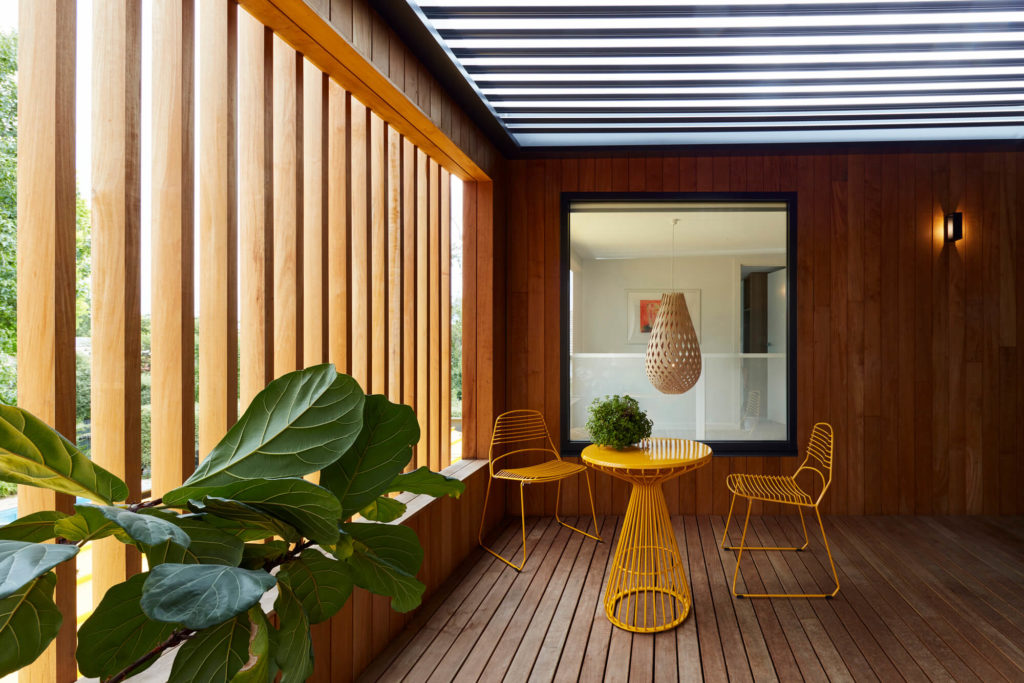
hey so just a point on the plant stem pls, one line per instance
(135, 507)
(176, 637)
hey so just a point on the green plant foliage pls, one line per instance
(34, 528)
(617, 421)
(144, 529)
(207, 543)
(29, 620)
(322, 584)
(201, 595)
(300, 423)
(32, 453)
(385, 562)
(422, 480)
(382, 449)
(209, 564)
(295, 648)
(383, 509)
(118, 632)
(311, 510)
(22, 562)
(244, 520)
(88, 524)
(256, 555)
(260, 662)
(214, 654)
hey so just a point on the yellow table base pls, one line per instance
(647, 589)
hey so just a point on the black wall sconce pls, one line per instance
(954, 226)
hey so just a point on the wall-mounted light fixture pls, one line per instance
(954, 226)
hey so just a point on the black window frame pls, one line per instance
(787, 447)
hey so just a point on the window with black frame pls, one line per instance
(733, 259)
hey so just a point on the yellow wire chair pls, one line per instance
(785, 490)
(525, 431)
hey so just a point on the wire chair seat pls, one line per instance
(771, 488)
(547, 471)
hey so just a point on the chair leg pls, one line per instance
(828, 550)
(831, 562)
(725, 534)
(739, 555)
(803, 524)
(760, 547)
(483, 516)
(558, 499)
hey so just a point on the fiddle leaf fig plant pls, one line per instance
(206, 542)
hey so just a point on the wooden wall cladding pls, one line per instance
(908, 345)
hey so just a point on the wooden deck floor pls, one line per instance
(922, 598)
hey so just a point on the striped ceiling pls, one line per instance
(651, 72)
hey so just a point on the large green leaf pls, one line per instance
(34, 528)
(385, 560)
(28, 622)
(383, 448)
(312, 510)
(322, 584)
(422, 480)
(32, 453)
(201, 595)
(208, 544)
(145, 529)
(383, 509)
(21, 562)
(243, 520)
(300, 423)
(294, 652)
(257, 668)
(214, 654)
(118, 632)
(87, 524)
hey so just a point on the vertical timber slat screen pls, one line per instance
(323, 235)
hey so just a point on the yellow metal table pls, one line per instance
(647, 589)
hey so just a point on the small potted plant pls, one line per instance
(618, 421)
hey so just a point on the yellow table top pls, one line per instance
(656, 453)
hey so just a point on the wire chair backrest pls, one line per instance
(819, 455)
(521, 431)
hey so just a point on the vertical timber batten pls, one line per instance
(173, 319)
(46, 268)
(255, 206)
(218, 228)
(337, 227)
(116, 309)
(287, 125)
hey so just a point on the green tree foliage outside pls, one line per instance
(9, 244)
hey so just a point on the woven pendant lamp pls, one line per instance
(673, 362)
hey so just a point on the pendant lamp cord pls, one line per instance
(672, 285)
